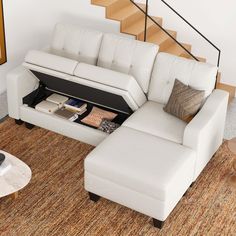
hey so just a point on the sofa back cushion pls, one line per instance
(167, 68)
(128, 56)
(76, 43)
(48, 61)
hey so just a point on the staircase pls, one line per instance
(132, 22)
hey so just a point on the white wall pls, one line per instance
(29, 25)
(216, 19)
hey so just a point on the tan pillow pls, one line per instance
(184, 101)
(96, 116)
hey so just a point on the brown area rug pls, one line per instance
(56, 204)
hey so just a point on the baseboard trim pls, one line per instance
(3, 106)
(4, 118)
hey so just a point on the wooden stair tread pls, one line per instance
(103, 3)
(202, 59)
(177, 50)
(228, 88)
(231, 89)
(160, 36)
(126, 12)
(219, 77)
(138, 27)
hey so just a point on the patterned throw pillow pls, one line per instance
(184, 101)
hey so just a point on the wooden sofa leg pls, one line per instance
(29, 126)
(158, 224)
(19, 122)
(93, 197)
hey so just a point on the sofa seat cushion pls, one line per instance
(167, 68)
(112, 79)
(151, 118)
(128, 56)
(143, 163)
(50, 61)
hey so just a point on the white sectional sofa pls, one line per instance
(151, 160)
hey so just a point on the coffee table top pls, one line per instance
(16, 178)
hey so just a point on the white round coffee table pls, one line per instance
(16, 178)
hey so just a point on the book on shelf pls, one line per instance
(67, 114)
(75, 105)
(79, 113)
(47, 107)
(57, 99)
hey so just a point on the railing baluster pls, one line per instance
(146, 19)
(149, 17)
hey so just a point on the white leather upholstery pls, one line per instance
(20, 83)
(59, 125)
(50, 61)
(128, 56)
(204, 133)
(151, 118)
(112, 79)
(143, 163)
(76, 43)
(132, 97)
(47, 71)
(168, 67)
(128, 197)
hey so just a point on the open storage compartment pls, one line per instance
(93, 97)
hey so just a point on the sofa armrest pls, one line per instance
(205, 132)
(20, 83)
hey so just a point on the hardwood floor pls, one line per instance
(55, 202)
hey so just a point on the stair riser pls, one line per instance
(131, 20)
(150, 30)
(94, 3)
(218, 77)
(155, 28)
(113, 8)
(167, 43)
(185, 54)
(200, 59)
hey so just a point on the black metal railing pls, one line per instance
(147, 16)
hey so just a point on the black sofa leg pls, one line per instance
(158, 224)
(185, 193)
(93, 197)
(190, 187)
(19, 122)
(29, 126)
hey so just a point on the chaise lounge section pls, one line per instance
(150, 162)
(146, 173)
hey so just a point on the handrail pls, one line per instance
(196, 30)
(155, 22)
